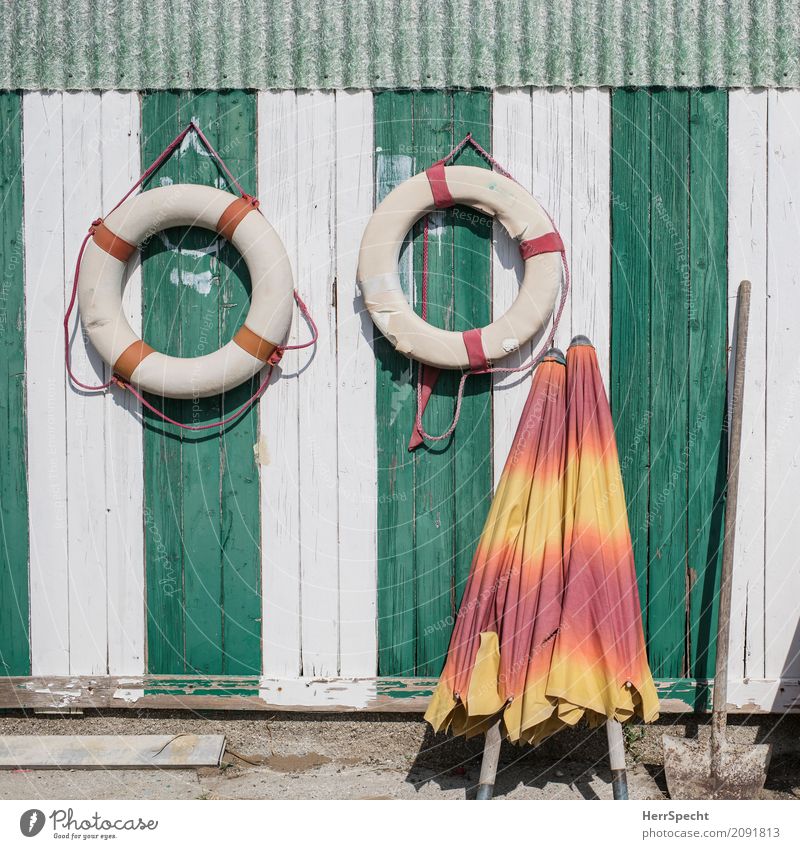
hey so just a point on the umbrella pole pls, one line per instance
(616, 757)
(491, 758)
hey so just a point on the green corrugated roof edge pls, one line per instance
(324, 44)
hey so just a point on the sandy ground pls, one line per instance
(300, 756)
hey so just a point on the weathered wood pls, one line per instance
(394, 417)
(316, 283)
(201, 519)
(434, 467)
(590, 211)
(118, 751)
(669, 371)
(512, 146)
(15, 650)
(782, 567)
(124, 484)
(85, 411)
(472, 297)
(356, 437)
(391, 695)
(162, 321)
(278, 447)
(45, 386)
(707, 369)
(427, 535)
(747, 260)
(552, 175)
(630, 315)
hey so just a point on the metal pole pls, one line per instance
(491, 757)
(616, 757)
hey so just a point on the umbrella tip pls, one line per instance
(557, 355)
(580, 340)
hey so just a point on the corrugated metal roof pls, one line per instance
(138, 44)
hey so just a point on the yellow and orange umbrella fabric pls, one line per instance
(500, 651)
(549, 629)
(599, 666)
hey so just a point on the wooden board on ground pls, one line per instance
(111, 751)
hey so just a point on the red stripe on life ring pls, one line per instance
(442, 198)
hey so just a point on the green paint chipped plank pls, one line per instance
(201, 492)
(669, 319)
(434, 465)
(708, 361)
(14, 588)
(394, 412)
(431, 505)
(472, 258)
(669, 374)
(630, 313)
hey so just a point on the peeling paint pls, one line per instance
(304, 692)
(127, 695)
(195, 253)
(261, 451)
(200, 281)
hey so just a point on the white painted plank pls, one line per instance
(747, 259)
(279, 453)
(121, 123)
(85, 411)
(44, 312)
(552, 173)
(316, 155)
(590, 257)
(356, 437)
(512, 147)
(782, 568)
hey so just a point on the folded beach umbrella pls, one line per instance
(500, 651)
(599, 667)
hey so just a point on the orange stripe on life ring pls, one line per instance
(233, 215)
(112, 244)
(255, 345)
(128, 361)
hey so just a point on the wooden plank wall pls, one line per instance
(648, 212)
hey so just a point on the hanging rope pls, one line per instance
(123, 384)
(420, 434)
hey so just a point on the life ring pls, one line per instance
(488, 192)
(101, 281)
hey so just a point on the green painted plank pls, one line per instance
(434, 465)
(240, 495)
(669, 431)
(394, 409)
(201, 491)
(630, 311)
(163, 485)
(472, 246)
(14, 589)
(707, 369)
(431, 505)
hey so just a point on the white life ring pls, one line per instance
(101, 281)
(490, 193)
